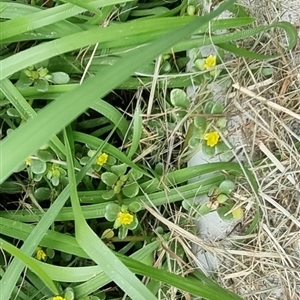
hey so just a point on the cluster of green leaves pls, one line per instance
(39, 50)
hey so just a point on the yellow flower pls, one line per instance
(237, 213)
(102, 159)
(212, 138)
(125, 218)
(210, 62)
(28, 161)
(58, 298)
(40, 254)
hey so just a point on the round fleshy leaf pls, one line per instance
(133, 224)
(166, 67)
(226, 187)
(186, 204)
(217, 108)
(66, 256)
(84, 160)
(130, 190)
(109, 178)
(69, 295)
(107, 234)
(221, 123)
(111, 160)
(204, 209)
(55, 181)
(207, 150)
(24, 81)
(112, 208)
(134, 206)
(208, 107)
(60, 77)
(108, 195)
(119, 169)
(50, 253)
(179, 98)
(123, 231)
(223, 211)
(42, 193)
(37, 177)
(12, 112)
(159, 169)
(222, 198)
(200, 123)
(44, 155)
(38, 166)
(41, 85)
(134, 174)
(194, 142)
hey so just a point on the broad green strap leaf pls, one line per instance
(45, 17)
(30, 262)
(96, 248)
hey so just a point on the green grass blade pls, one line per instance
(96, 248)
(31, 263)
(137, 132)
(49, 16)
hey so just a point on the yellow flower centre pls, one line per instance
(58, 298)
(28, 161)
(102, 159)
(212, 138)
(210, 62)
(125, 218)
(41, 255)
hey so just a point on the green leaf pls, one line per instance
(226, 187)
(60, 77)
(111, 211)
(38, 166)
(208, 107)
(109, 178)
(44, 155)
(24, 81)
(12, 112)
(55, 181)
(222, 198)
(42, 193)
(137, 132)
(134, 174)
(122, 233)
(217, 108)
(134, 206)
(108, 195)
(207, 150)
(224, 209)
(200, 123)
(41, 85)
(179, 98)
(194, 142)
(204, 209)
(130, 190)
(119, 169)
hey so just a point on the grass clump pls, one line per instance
(91, 100)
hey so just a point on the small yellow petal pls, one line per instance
(41, 255)
(125, 218)
(237, 213)
(212, 138)
(102, 159)
(58, 298)
(210, 62)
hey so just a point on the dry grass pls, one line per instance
(267, 264)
